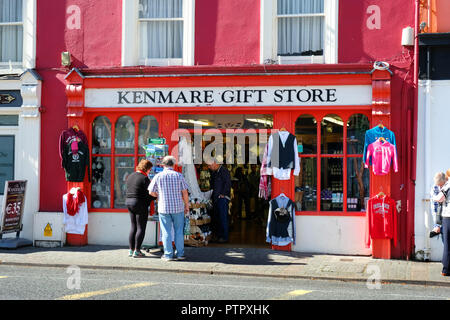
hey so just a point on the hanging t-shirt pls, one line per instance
(381, 154)
(381, 220)
(282, 155)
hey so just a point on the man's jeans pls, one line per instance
(221, 217)
(167, 222)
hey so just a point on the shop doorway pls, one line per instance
(239, 140)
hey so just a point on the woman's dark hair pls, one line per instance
(144, 165)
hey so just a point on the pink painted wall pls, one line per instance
(227, 32)
(96, 44)
(359, 43)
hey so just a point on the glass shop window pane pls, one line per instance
(101, 182)
(124, 166)
(332, 194)
(9, 120)
(306, 133)
(148, 128)
(306, 185)
(101, 136)
(6, 160)
(357, 185)
(332, 129)
(124, 140)
(357, 126)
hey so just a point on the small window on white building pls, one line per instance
(11, 32)
(158, 32)
(299, 31)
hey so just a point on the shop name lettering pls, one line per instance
(240, 96)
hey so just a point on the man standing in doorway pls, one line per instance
(221, 185)
(171, 190)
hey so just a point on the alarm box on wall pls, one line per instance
(48, 230)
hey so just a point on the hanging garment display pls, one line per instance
(280, 229)
(68, 136)
(376, 133)
(188, 169)
(282, 155)
(75, 160)
(265, 181)
(381, 220)
(381, 154)
(75, 211)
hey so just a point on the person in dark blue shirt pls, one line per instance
(221, 186)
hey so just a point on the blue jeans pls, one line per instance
(445, 231)
(221, 217)
(167, 222)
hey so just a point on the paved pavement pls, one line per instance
(235, 261)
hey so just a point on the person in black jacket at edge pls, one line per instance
(138, 201)
(221, 185)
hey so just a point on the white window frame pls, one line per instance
(29, 41)
(130, 36)
(269, 36)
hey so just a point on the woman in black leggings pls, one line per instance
(137, 201)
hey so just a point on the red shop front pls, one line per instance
(328, 109)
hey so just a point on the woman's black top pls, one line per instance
(137, 188)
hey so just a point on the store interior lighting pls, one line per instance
(335, 121)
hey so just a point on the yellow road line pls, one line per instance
(3, 277)
(85, 295)
(292, 294)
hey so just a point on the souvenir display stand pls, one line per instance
(199, 231)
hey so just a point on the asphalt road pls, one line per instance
(39, 283)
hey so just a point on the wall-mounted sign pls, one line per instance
(10, 98)
(229, 96)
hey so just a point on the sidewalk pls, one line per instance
(235, 261)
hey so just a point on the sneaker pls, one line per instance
(130, 253)
(138, 254)
(164, 258)
(181, 258)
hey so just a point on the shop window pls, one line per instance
(332, 134)
(112, 164)
(148, 128)
(101, 136)
(306, 181)
(11, 31)
(6, 160)
(357, 175)
(343, 178)
(299, 31)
